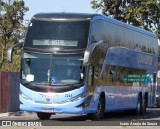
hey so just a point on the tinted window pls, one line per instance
(122, 76)
(155, 42)
(98, 31)
(65, 35)
(127, 37)
(47, 69)
(109, 33)
(116, 35)
(119, 36)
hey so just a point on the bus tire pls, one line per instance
(139, 108)
(158, 103)
(144, 105)
(100, 109)
(43, 116)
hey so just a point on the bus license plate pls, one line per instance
(48, 111)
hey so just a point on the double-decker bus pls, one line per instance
(86, 64)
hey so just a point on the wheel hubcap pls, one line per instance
(99, 108)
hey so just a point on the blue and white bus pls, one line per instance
(86, 64)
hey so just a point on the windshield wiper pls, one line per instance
(68, 85)
(76, 84)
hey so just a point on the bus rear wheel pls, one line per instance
(139, 109)
(43, 116)
(144, 105)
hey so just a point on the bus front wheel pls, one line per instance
(43, 116)
(100, 110)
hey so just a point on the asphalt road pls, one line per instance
(115, 119)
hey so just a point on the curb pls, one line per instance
(18, 113)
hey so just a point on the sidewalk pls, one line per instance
(18, 113)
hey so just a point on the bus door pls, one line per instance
(151, 82)
(110, 89)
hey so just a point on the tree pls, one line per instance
(159, 57)
(110, 8)
(141, 13)
(11, 30)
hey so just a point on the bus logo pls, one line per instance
(47, 99)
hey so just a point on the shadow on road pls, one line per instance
(152, 113)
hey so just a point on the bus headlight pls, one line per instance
(23, 95)
(78, 97)
(157, 96)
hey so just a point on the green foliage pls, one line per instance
(12, 31)
(159, 57)
(112, 8)
(141, 13)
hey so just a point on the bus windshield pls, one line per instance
(57, 34)
(52, 70)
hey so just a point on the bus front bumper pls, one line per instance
(68, 107)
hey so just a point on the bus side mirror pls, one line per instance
(154, 77)
(86, 57)
(158, 74)
(112, 72)
(89, 51)
(11, 49)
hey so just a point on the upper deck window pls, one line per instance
(57, 34)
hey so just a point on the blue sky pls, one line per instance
(36, 6)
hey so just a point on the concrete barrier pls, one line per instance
(9, 92)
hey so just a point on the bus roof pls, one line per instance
(92, 17)
(66, 15)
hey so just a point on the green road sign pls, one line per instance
(134, 78)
